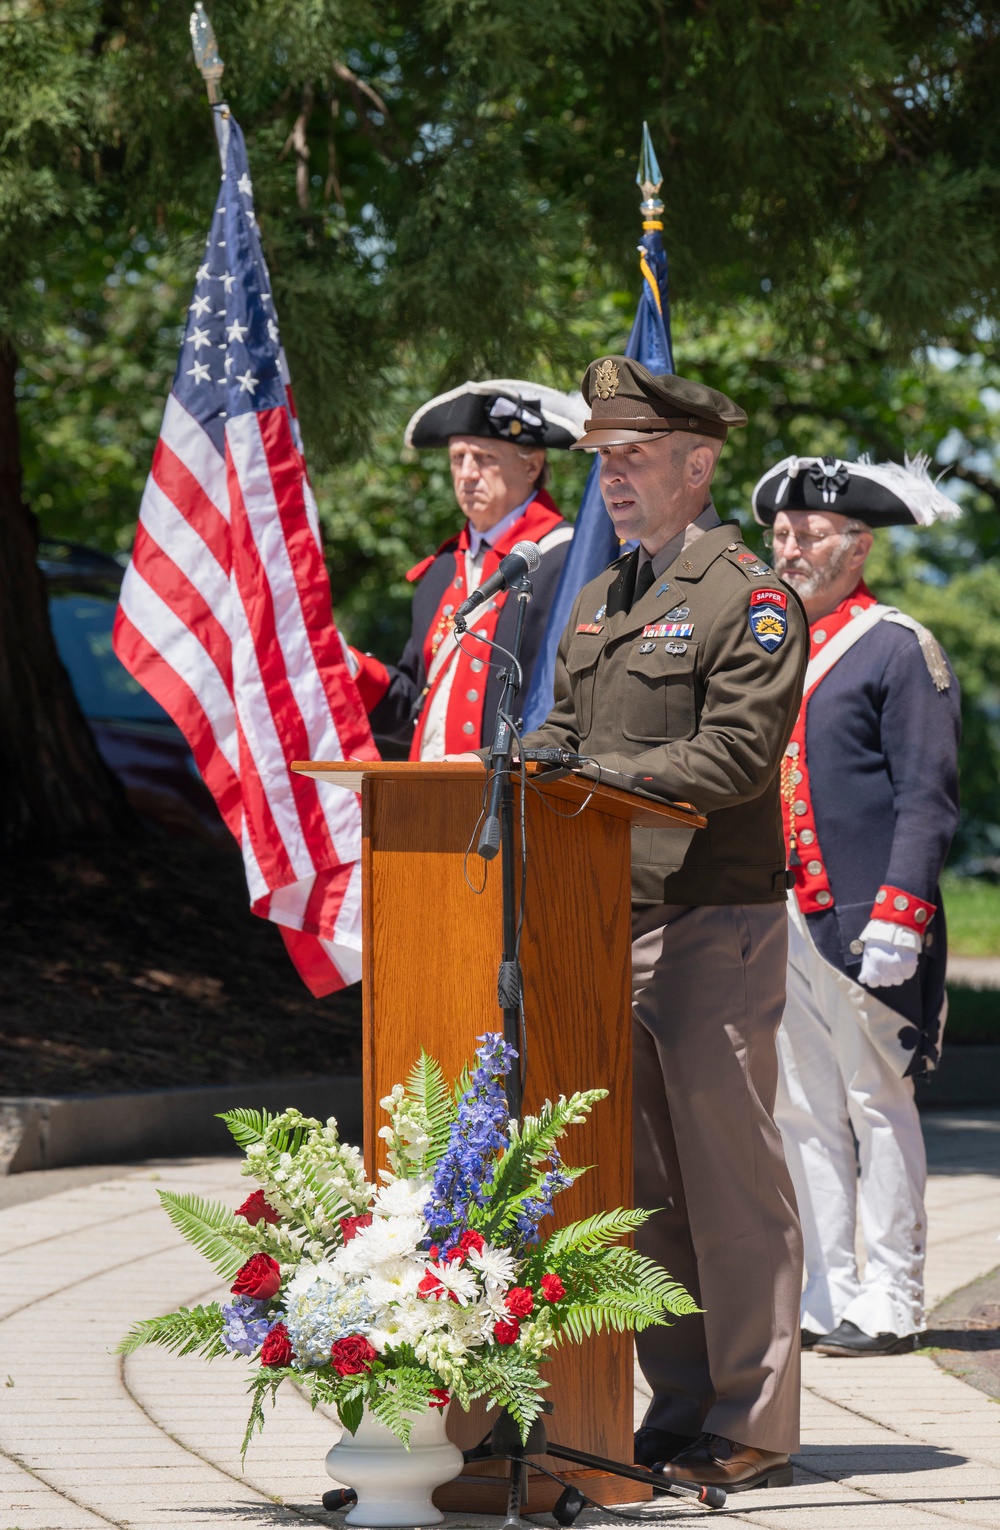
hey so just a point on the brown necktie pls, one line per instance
(643, 580)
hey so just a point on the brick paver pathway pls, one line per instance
(88, 1440)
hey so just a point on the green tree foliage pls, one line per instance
(446, 189)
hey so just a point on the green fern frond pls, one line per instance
(427, 1087)
(188, 1331)
(224, 1239)
(605, 1227)
(395, 1405)
(531, 1145)
(508, 1382)
(259, 1388)
(247, 1127)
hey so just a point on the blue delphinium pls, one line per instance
(478, 1133)
(247, 1325)
(535, 1208)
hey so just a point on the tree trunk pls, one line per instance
(53, 783)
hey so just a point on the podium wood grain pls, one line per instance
(432, 947)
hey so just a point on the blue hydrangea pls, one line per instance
(479, 1132)
(247, 1325)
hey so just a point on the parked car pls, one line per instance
(136, 738)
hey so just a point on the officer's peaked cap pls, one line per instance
(628, 403)
(500, 409)
(877, 493)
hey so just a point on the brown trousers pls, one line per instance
(708, 990)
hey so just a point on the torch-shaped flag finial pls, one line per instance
(206, 52)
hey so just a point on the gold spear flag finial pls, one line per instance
(649, 178)
(206, 52)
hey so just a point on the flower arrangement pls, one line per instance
(435, 1284)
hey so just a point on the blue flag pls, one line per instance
(594, 543)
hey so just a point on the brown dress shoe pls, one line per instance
(716, 1462)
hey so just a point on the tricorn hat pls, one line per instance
(877, 493)
(501, 409)
(627, 403)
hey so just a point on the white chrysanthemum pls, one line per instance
(386, 1240)
(392, 1281)
(402, 1198)
(495, 1265)
(454, 1278)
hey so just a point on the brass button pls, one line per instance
(807, 837)
(731, 547)
(823, 897)
(815, 868)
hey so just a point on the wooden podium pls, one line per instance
(431, 955)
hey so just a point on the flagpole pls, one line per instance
(211, 69)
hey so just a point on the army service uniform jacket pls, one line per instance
(689, 697)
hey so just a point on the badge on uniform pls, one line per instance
(668, 630)
(646, 647)
(677, 614)
(589, 627)
(769, 618)
(600, 615)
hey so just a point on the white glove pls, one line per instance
(885, 965)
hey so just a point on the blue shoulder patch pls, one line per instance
(769, 618)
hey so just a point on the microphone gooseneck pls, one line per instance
(522, 559)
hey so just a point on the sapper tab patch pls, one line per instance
(590, 627)
(668, 630)
(769, 618)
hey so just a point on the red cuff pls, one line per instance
(372, 679)
(898, 907)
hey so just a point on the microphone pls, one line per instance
(522, 559)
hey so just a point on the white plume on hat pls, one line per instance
(913, 483)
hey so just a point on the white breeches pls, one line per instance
(842, 1106)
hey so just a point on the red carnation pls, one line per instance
(256, 1209)
(519, 1301)
(350, 1225)
(552, 1288)
(431, 1286)
(506, 1333)
(277, 1347)
(471, 1242)
(439, 1398)
(351, 1356)
(259, 1278)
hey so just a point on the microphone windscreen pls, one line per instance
(529, 552)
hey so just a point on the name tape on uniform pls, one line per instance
(769, 618)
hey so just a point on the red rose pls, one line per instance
(519, 1301)
(552, 1288)
(256, 1209)
(277, 1347)
(351, 1356)
(506, 1333)
(259, 1278)
(350, 1225)
(439, 1398)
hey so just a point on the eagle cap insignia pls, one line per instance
(606, 379)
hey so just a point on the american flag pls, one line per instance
(225, 614)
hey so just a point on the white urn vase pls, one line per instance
(393, 1484)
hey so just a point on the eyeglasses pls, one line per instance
(804, 539)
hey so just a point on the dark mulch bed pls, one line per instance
(964, 1333)
(141, 967)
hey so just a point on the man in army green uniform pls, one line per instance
(679, 676)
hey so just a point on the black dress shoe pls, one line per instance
(651, 1446)
(847, 1342)
(713, 1461)
(808, 1339)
